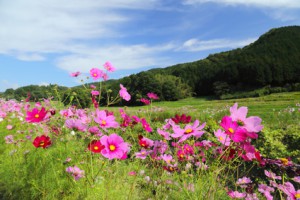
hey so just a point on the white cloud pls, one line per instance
(122, 57)
(5, 84)
(198, 45)
(257, 3)
(43, 84)
(52, 26)
(30, 57)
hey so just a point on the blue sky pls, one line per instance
(43, 41)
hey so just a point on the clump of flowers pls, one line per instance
(76, 172)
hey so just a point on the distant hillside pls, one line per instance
(274, 59)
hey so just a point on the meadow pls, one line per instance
(195, 148)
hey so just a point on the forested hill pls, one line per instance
(274, 59)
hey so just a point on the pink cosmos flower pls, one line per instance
(167, 158)
(145, 101)
(95, 131)
(75, 172)
(9, 139)
(9, 127)
(109, 67)
(96, 73)
(76, 124)
(75, 74)
(95, 92)
(222, 137)
(236, 194)
(289, 189)
(66, 113)
(251, 124)
(104, 120)
(124, 94)
(36, 115)
(145, 125)
(165, 134)
(244, 180)
(266, 190)
(272, 175)
(92, 86)
(152, 95)
(114, 146)
(142, 154)
(296, 179)
(189, 131)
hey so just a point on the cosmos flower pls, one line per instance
(114, 146)
(76, 172)
(124, 94)
(75, 74)
(95, 146)
(104, 120)
(96, 73)
(42, 141)
(36, 115)
(152, 95)
(109, 67)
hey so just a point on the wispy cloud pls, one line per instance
(199, 45)
(4, 84)
(123, 57)
(257, 3)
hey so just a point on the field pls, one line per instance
(69, 153)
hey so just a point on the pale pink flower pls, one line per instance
(109, 67)
(9, 139)
(142, 154)
(93, 86)
(76, 124)
(236, 194)
(9, 127)
(222, 137)
(163, 133)
(244, 180)
(189, 131)
(104, 120)
(75, 74)
(272, 175)
(75, 172)
(124, 94)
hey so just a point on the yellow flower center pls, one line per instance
(112, 147)
(42, 144)
(96, 148)
(297, 195)
(36, 115)
(181, 155)
(284, 161)
(103, 122)
(230, 130)
(221, 138)
(188, 131)
(95, 74)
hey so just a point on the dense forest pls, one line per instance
(271, 61)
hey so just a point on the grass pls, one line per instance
(34, 173)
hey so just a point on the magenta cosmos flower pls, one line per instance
(114, 146)
(124, 94)
(104, 120)
(96, 73)
(235, 132)
(189, 131)
(36, 115)
(152, 95)
(109, 67)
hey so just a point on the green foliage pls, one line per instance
(78, 97)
